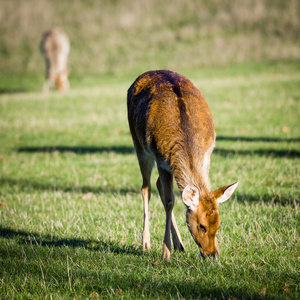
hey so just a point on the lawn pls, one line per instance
(70, 203)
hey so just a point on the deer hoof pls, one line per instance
(166, 252)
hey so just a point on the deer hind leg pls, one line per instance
(177, 242)
(146, 163)
(50, 75)
(165, 187)
(48, 85)
(62, 82)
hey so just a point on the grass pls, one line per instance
(70, 203)
(125, 36)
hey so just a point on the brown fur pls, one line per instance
(172, 104)
(171, 124)
(55, 47)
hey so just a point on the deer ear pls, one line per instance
(224, 193)
(190, 197)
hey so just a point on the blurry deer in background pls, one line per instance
(171, 124)
(55, 47)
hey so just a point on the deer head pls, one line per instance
(203, 218)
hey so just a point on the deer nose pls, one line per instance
(210, 255)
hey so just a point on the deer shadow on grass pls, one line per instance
(266, 198)
(81, 150)
(283, 153)
(260, 152)
(78, 149)
(12, 90)
(48, 240)
(29, 185)
(257, 139)
(149, 284)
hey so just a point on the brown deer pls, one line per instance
(171, 124)
(55, 47)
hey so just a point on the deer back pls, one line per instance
(169, 117)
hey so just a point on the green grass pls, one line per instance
(131, 36)
(71, 210)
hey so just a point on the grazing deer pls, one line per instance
(55, 47)
(170, 123)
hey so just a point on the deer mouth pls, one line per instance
(200, 252)
(209, 255)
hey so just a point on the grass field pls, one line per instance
(70, 203)
(131, 36)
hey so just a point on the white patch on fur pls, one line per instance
(190, 197)
(206, 165)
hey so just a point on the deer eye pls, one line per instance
(202, 228)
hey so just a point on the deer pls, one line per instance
(171, 125)
(55, 47)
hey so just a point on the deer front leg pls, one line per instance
(176, 235)
(146, 164)
(177, 242)
(165, 187)
(146, 190)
